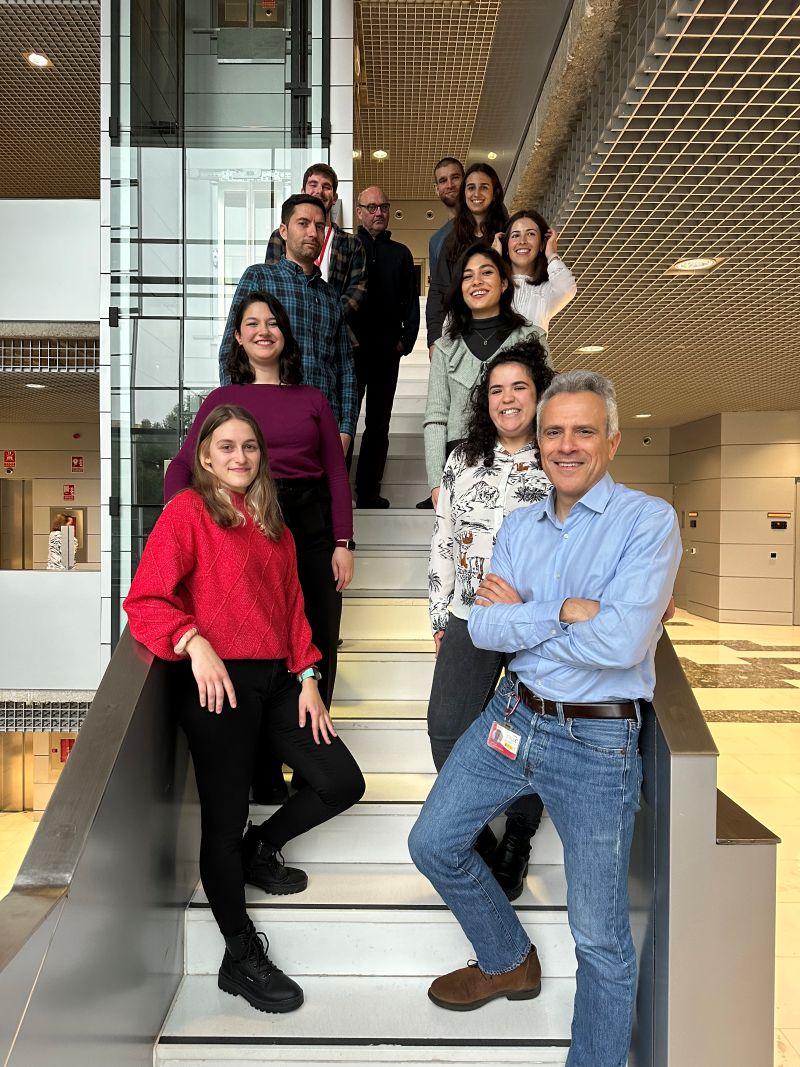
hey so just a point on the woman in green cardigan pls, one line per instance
(480, 323)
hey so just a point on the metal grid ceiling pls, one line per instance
(689, 147)
(50, 129)
(71, 396)
(419, 87)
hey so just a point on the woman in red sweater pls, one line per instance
(217, 592)
(307, 462)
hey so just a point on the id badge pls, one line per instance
(504, 740)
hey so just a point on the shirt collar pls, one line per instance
(295, 268)
(596, 499)
(502, 454)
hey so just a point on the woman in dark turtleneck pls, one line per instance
(480, 324)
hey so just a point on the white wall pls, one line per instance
(49, 629)
(57, 241)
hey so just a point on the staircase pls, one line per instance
(368, 935)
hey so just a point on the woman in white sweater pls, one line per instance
(543, 283)
(492, 472)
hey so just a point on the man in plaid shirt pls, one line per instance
(312, 306)
(342, 260)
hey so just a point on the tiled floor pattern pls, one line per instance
(747, 681)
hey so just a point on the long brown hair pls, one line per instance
(462, 234)
(261, 498)
(539, 272)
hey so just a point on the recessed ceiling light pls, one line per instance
(380, 153)
(356, 153)
(695, 265)
(36, 59)
(491, 155)
(34, 385)
(590, 350)
(644, 415)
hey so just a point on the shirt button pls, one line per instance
(558, 575)
(566, 537)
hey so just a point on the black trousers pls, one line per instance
(376, 375)
(464, 680)
(224, 751)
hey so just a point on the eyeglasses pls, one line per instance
(373, 209)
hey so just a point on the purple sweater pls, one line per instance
(302, 441)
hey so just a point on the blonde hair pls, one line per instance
(260, 500)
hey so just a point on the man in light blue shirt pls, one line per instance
(578, 587)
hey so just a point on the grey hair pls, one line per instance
(582, 381)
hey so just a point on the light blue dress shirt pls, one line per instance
(618, 546)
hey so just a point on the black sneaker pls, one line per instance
(374, 502)
(247, 971)
(264, 867)
(425, 505)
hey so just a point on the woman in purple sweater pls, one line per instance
(307, 463)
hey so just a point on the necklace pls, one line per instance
(488, 337)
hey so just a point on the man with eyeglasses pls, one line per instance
(341, 259)
(386, 328)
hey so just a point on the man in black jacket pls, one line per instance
(386, 327)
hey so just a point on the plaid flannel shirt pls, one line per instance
(347, 269)
(317, 323)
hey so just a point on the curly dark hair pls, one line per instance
(456, 306)
(539, 272)
(463, 232)
(290, 362)
(481, 435)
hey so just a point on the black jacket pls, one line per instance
(390, 311)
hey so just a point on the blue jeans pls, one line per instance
(588, 773)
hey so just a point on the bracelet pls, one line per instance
(346, 542)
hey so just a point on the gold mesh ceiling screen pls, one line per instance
(419, 78)
(690, 146)
(50, 128)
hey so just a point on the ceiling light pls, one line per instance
(644, 415)
(380, 153)
(590, 350)
(695, 265)
(36, 59)
(491, 155)
(356, 153)
(34, 385)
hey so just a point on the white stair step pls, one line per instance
(378, 617)
(380, 709)
(383, 645)
(409, 386)
(390, 569)
(398, 526)
(368, 1011)
(405, 494)
(406, 468)
(376, 829)
(236, 1055)
(371, 941)
(388, 746)
(393, 676)
(402, 422)
(400, 445)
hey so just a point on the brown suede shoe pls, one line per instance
(470, 988)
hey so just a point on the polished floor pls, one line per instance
(747, 681)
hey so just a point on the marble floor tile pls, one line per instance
(788, 879)
(787, 992)
(745, 786)
(788, 930)
(711, 654)
(16, 833)
(785, 1053)
(713, 699)
(779, 813)
(736, 738)
(793, 1038)
(778, 763)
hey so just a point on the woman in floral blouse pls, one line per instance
(491, 473)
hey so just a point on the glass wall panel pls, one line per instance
(219, 110)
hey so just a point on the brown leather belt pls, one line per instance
(624, 710)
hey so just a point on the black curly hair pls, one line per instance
(481, 435)
(290, 362)
(460, 321)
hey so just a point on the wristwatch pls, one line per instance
(309, 672)
(347, 543)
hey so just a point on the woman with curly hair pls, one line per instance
(265, 367)
(216, 594)
(481, 322)
(480, 214)
(543, 283)
(492, 472)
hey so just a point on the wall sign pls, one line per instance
(9, 458)
(69, 491)
(77, 465)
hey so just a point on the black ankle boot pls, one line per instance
(510, 861)
(247, 971)
(485, 845)
(264, 867)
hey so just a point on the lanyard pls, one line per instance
(321, 256)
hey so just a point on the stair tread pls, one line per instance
(382, 788)
(377, 886)
(379, 709)
(367, 1010)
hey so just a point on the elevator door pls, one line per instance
(16, 529)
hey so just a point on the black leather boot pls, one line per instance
(247, 971)
(510, 861)
(485, 845)
(264, 867)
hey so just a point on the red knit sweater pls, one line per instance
(238, 588)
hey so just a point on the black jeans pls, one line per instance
(376, 375)
(224, 750)
(306, 507)
(464, 680)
